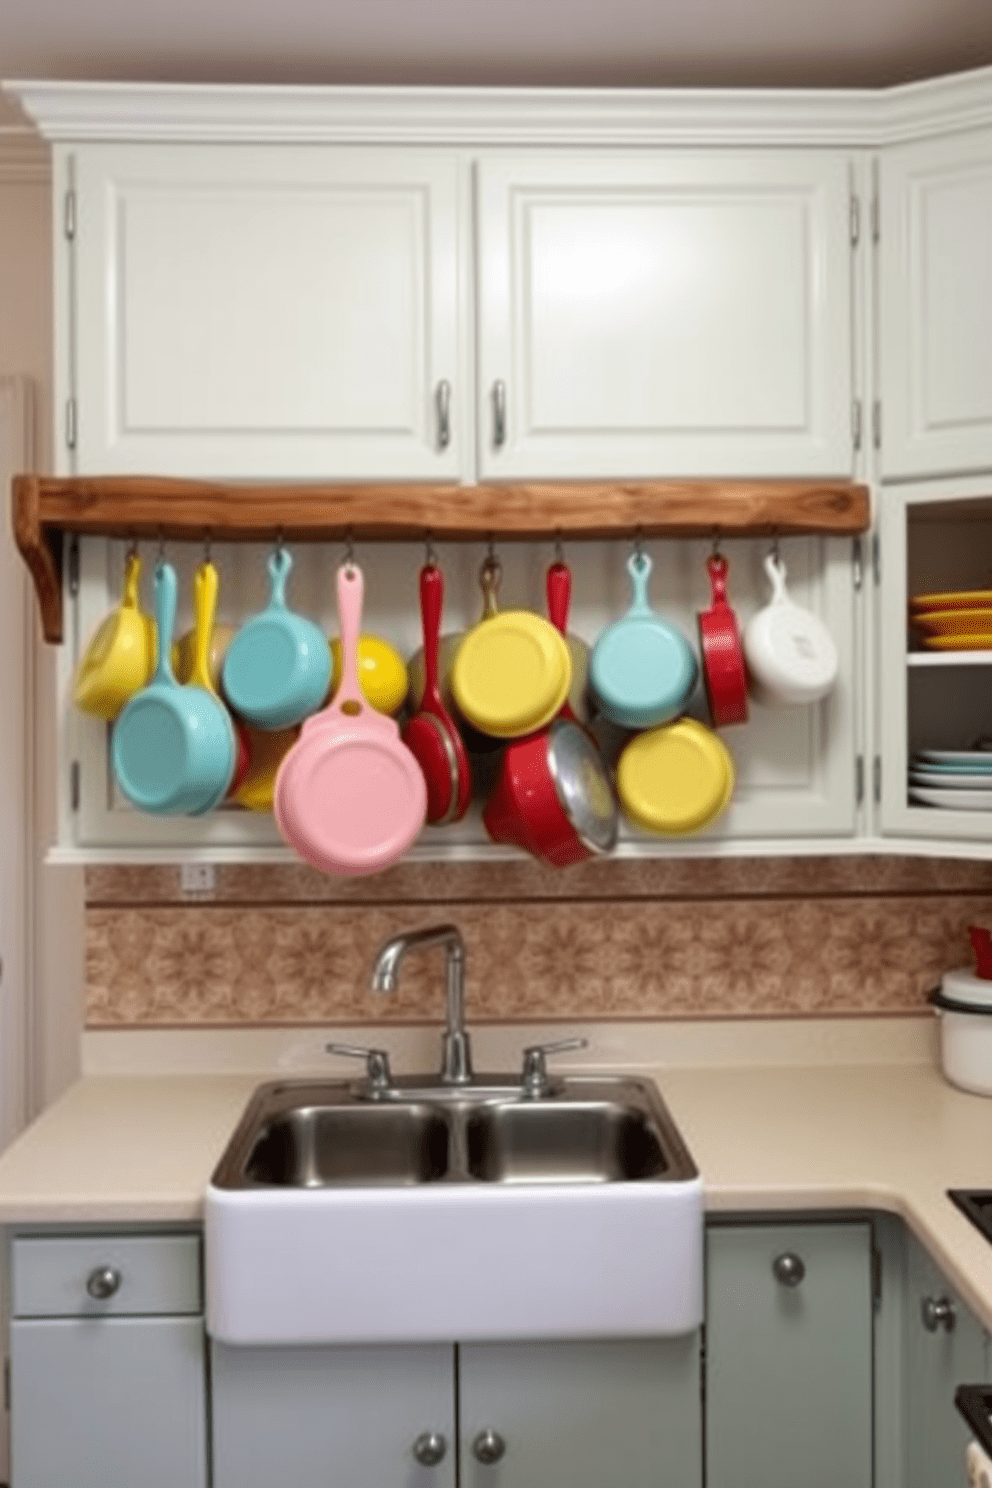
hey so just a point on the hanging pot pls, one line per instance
(724, 672)
(431, 734)
(791, 657)
(278, 667)
(642, 670)
(120, 658)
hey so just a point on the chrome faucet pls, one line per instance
(456, 1058)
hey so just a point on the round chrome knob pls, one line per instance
(789, 1269)
(488, 1447)
(103, 1282)
(429, 1448)
(938, 1312)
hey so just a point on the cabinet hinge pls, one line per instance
(876, 558)
(876, 219)
(876, 779)
(876, 423)
(876, 1278)
(69, 215)
(74, 786)
(856, 423)
(859, 779)
(70, 423)
(72, 566)
(6, 1385)
(702, 1368)
(858, 564)
(855, 221)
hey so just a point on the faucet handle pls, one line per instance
(535, 1071)
(376, 1062)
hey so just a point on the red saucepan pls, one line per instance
(431, 735)
(349, 796)
(553, 795)
(724, 672)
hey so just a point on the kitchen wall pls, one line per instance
(737, 938)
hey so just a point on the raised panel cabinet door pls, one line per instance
(266, 311)
(108, 1403)
(936, 1362)
(355, 1417)
(789, 1356)
(935, 266)
(664, 313)
(581, 1414)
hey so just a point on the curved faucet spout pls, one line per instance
(456, 1061)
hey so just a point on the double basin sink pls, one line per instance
(342, 1212)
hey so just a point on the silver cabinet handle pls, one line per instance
(103, 1282)
(429, 1448)
(488, 1447)
(499, 413)
(789, 1269)
(938, 1312)
(442, 399)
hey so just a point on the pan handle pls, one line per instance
(351, 591)
(559, 589)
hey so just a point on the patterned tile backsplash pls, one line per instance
(693, 938)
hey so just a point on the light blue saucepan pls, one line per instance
(173, 748)
(277, 669)
(642, 670)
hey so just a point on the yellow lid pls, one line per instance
(675, 779)
(511, 674)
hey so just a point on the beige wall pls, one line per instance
(25, 350)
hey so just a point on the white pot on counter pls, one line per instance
(964, 1003)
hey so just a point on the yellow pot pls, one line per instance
(184, 654)
(120, 658)
(381, 672)
(266, 748)
(676, 779)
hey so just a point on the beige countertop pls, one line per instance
(832, 1122)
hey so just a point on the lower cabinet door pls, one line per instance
(318, 1417)
(789, 1356)
(108, 1403)
(614, 1414)
(952, 1352)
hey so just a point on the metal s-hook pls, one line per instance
(715, 546)
(430, 557)
(559, 550)
(349, 549)
(207, 539)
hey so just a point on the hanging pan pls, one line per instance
(278, 667)
(642, 670)
(431, 734)
(724, 672)
(349, 796)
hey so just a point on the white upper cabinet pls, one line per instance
(936, 306)
(259, 311)
(663, 312)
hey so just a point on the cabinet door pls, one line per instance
(936, 1363)
(649, 313)
(789, 1367)
(936, 537)
(250, 311)
(331, 1417)
(581, 1415)
(108, 1403)
(936, 306)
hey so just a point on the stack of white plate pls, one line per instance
(956, 779)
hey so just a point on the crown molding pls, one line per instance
(66, 112)
(23, 156)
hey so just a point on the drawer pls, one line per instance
(52, 1276)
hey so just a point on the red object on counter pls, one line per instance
(981, 944)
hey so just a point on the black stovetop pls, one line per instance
(976, 1203)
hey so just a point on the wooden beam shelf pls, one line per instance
(146, 507)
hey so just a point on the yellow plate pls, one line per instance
(955, 599)
(511, 674)
(676, 779)
(958, 643)
(382, 673)
(954, 622)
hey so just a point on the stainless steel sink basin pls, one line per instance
(331, 1134)
(341, 1213)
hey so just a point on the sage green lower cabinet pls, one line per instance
(789, 1356)
(107, 1363)
(581, 1414)
(953, 1351)
(332, 1417)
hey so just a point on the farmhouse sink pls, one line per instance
(418, 1210)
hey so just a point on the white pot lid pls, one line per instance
(965, 986)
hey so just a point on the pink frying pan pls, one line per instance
(349, 796)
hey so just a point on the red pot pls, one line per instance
(553, 797)
(724, 671)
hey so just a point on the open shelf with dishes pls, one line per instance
(936, 703)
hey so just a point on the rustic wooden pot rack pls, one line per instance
(144, 507)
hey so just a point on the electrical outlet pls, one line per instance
(198, 878)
